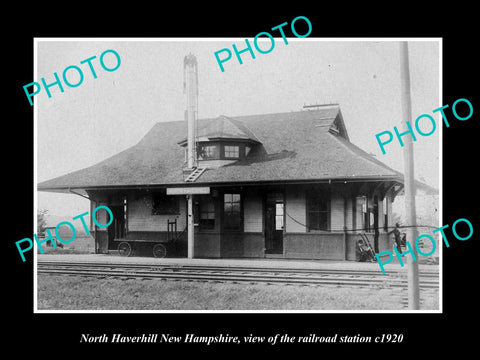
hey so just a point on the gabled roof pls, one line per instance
(309, 145)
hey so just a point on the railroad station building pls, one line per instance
(283, 185)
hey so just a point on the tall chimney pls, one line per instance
(190, 87)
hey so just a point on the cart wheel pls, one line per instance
(124, 249)
(159, 251)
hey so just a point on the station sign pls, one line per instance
(188, 190)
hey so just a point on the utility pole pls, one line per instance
(410, 211)
(191, 89)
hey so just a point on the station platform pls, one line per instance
(267, 263)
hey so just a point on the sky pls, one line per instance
(101, 117)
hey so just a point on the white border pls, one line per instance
(307, 39)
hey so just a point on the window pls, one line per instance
(318, 212)
(279, 216)
(363, 213)
(207, 152)
(163, 204)
(205, 208)
(232, 151)
(367, 213)
(247, 150)
(231, 212)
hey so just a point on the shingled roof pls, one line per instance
(310, 145)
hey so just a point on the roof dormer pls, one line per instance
(222, 141)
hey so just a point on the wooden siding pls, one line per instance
(231, 244)
(253, 245)
(252, 212)
(381, 218)
(238, 245)
(359, 215)
(336, 213)
(140, 216)
(385, 242)
(349, 214)
(326, 246)
(207, 245)
(295, 208)
(390, 213)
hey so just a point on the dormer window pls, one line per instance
(208, 151)
(222, 141)
(222, 150)
(231, 151)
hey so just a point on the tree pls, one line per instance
(41, 221)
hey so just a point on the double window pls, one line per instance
(221, 151)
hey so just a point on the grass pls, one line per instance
(62, 251)
(82, 244)
(63, 292)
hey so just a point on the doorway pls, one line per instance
(274, 219)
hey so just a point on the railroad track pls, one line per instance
(238, 274)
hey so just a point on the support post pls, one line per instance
(190, 227)
(345, 227)
(410, 211)
(191, 89)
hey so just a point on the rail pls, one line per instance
(314, 277)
